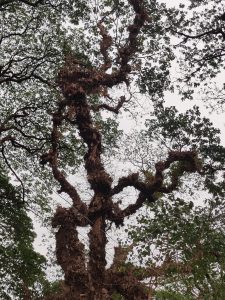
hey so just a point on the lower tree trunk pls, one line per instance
(97, 260)
(70, 254)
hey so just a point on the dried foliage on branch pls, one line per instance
(78, 83)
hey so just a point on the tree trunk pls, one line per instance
(71, 257)
(97, 259)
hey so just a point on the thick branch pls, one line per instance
(147, 189)
(70, 253)
(52, 158)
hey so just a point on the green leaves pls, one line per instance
(190, 131)
(171, 295)
(20, 266)
(200, 45)
(183, 130)
(187, 243)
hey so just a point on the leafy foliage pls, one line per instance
(185, 243)
(21, 268)
(170, 295)
(199, 27)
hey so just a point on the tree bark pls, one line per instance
(97, 259)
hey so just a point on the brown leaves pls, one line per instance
(105, 44)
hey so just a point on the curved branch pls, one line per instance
(200, 35)
(147, 189)
(52, 158)
(110, 108)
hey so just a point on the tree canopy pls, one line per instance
(70, 71)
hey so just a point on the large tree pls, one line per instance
(68, 69)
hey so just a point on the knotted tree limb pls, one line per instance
(52, 158)
(147, 189)
(76, 82)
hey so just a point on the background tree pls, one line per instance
(199, 27)
(182, 249)
(21, 268)
(32, 45)
(177, 240)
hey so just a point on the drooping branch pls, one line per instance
(18, 70)
(12, 139)
(13, 127)
(14, 173)
(12, 35)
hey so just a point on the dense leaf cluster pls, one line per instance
(186, 242)
(21, 268)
